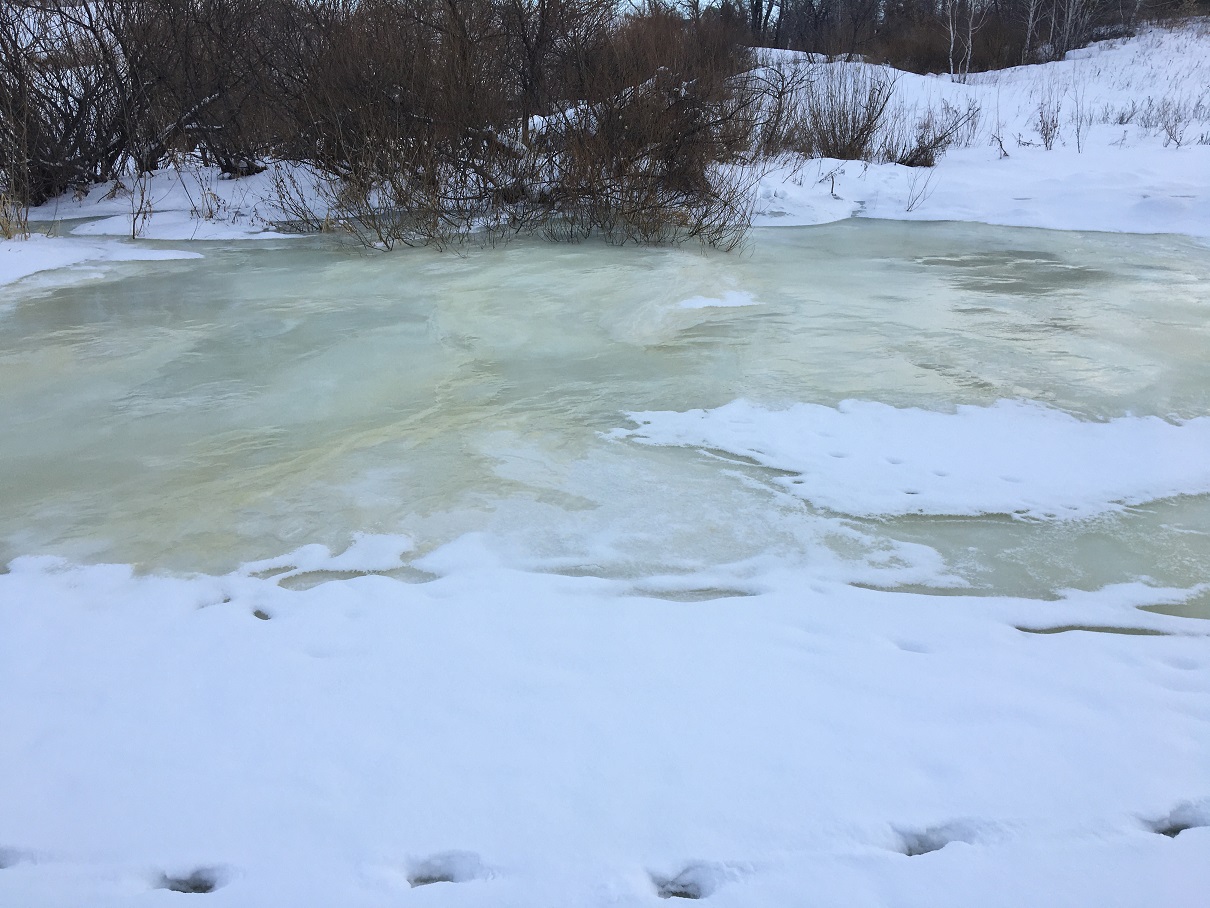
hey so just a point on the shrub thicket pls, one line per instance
(421, 120)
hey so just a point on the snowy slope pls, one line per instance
(1128, 176)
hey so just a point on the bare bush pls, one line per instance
(61, 117)
(1126, 114)
(918, 190)
(921, 143)
(408, 128)
(845, 111)
(1081, 116)
(1048, 116)
(650, 165)
(14, 217)
(650, 157)
(1173, 119)
(845, 107)
(781, 88)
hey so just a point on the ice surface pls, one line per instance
(1014, 457)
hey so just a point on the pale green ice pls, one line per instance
(195, 415)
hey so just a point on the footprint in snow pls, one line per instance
(697, 881)
(447, 867)
(1189, 815)
(916, 842)
(199, 880)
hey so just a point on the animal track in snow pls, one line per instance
(915, 842)
(697, 881)
(199, 880)
(447, 867)
(1189, 815)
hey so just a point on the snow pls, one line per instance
(539, 739)
(1016, 457)
(20, 259)
(368, 553)
(185, 203)
(728, 299)
(503, 736)
(1125, 177)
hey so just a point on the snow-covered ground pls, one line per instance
(760, 733)
(1112, 164)
(548, 740)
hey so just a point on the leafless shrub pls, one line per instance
(651, 156)
(141, 203)
(1126, 114)
(1047, 116)
(14, 195)
(1174, 121)
(845, 107)
(922, 143)
(1081, 116)
(14, 217)
(60, 116)
(650, 165)
(919, 190)
(781, 87)
(406, 134)
(1172, 117)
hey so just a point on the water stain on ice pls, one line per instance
(704, 594)
(1097, 629)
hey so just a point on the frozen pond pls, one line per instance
(196, 415)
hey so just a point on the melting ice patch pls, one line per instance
(730, 298)
(40, 253)
(1013, 457)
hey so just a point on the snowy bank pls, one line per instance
(505, 738)
(1130, 150)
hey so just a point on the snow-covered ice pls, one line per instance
(730, 298)
(41, 253)
(1014, 457)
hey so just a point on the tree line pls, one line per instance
(428, 117)
(940, 35)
